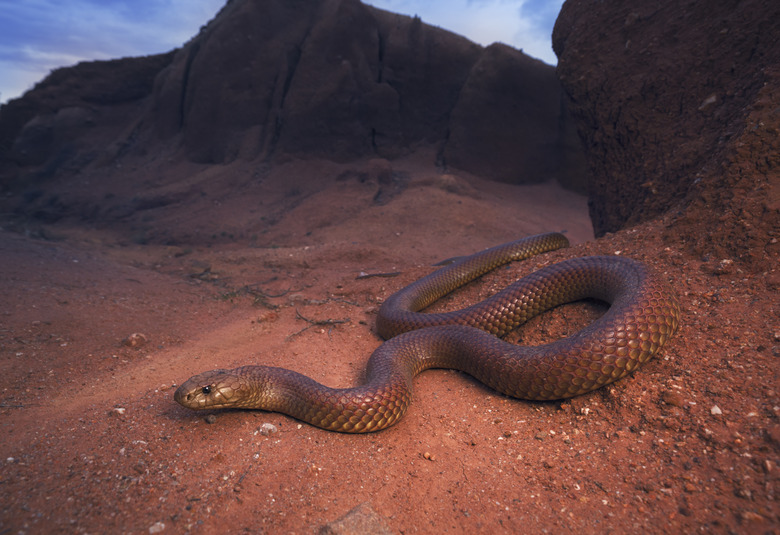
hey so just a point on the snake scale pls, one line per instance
(643, 314)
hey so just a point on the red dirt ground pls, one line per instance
(94, 443)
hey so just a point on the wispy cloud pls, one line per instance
(37, 36)
(524, 24)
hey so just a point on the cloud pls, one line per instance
(524, 24)
(37, 36)
(90, 28)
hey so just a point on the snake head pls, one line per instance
(216, 389)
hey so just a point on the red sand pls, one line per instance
(93, 442)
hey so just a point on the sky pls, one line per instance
(37, 36)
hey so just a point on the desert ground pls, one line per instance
(99, 325)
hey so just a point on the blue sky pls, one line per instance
(37, 36)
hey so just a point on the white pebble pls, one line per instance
(267, 429)
(715, 410)
(157, 527)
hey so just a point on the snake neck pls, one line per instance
(377, 404)
(269, 388)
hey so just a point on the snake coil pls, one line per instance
(643, 314)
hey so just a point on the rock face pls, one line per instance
(485, 133)
(274, 79)
(666, 96)
(74, 113)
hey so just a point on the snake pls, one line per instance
(643, 314)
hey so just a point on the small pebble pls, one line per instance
(672, 398)
(773, 433)
(715, 410)
(750, 516)
(210, 419)
(361, 519)
(157, 527)
(267, 316)
(724, 267)
(267, 429)
(135, 340)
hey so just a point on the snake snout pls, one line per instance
(217, 389)
(183, 396)
(194, 395)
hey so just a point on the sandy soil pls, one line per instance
(94, 443)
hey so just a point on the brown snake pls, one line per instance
(642, 316)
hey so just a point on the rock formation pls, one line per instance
(676, 102)
(277, 79)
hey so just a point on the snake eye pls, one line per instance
(206, 390)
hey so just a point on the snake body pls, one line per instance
(642, 316)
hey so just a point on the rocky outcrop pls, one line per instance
(72, 109)
(332, 78)
(274, 79)
(342, 80)
(673, 100)
(486, 133)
